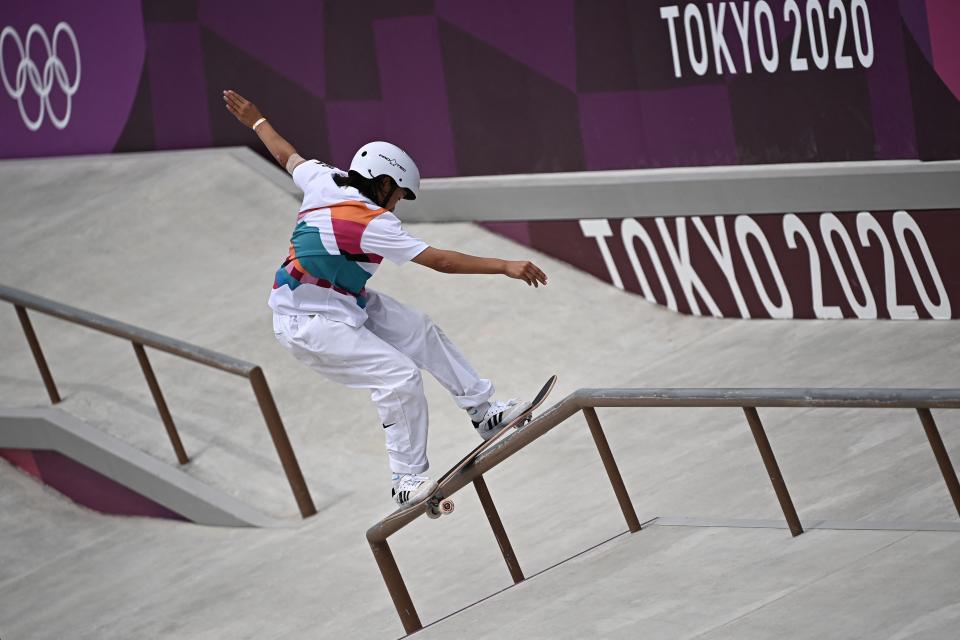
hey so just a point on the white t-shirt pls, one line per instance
(339, 241)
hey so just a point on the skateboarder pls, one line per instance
(327, 318)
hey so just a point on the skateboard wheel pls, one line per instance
(446, 506)
(432, 513)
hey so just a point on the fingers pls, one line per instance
(538, 274)
(235, 103)
(533, 276)
(528, 272)
(234, 98)
(240, 108)
(230, 103)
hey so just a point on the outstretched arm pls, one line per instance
(447, 261)
(248, 115)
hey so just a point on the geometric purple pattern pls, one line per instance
(687, 126)
(945, 50)
(486, 88)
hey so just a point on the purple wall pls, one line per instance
(492, 87)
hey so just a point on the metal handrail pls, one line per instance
(140, 338)
(587, 400)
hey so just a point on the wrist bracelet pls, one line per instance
(258, 123)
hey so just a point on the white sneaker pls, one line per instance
(497, 416)
(410, 487)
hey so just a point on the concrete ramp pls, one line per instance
(185, 244)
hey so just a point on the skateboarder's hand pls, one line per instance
(241, 108)
(526, 271)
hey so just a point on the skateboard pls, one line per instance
(437, 504)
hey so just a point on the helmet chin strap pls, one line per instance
(386, 198)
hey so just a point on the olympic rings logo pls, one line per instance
(41, 83)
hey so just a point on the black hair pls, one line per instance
(367, 187)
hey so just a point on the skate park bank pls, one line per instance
(717, 559)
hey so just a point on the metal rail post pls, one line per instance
(288, 459)
(498, 531)
(37, 354)
(613, 472)
(396, 587)
(773, 470)
(182, 457)
(940, 453)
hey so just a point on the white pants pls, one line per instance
(385, 355)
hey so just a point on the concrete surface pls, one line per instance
(186, 244)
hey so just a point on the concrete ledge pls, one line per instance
(641, 193)
(783, 188)
(52, 429)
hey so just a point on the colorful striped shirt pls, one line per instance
(339, 240)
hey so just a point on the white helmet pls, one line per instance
(382, 158)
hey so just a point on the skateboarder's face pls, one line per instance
(398, 194)
(395, 199)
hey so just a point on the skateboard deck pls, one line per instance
(437, 503)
